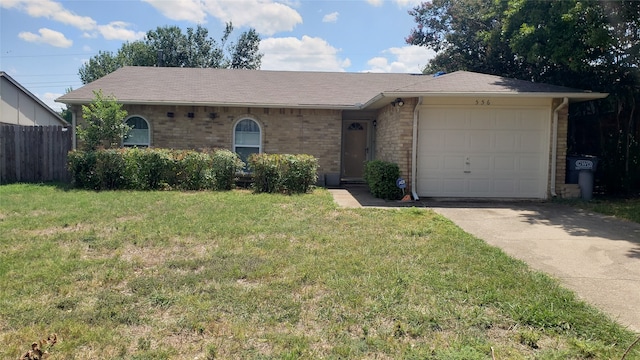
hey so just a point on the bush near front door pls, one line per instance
(381, 178)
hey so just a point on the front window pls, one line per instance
(247, 139)
(139, 133)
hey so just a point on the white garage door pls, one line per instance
(483, 152)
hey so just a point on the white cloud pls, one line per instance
(406, 59)
(266, 16)
(118, 30)
(51, 10)
(46, 36)
(55, 11)
(401, 3)
(333, 17)
(49, 98)
(187, 10)
(306, 54)
(411, 3)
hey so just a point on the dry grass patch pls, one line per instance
(169, 275)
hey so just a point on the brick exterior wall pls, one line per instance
(394, 136)
(293, 131)
(562, 189)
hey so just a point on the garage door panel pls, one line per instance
(529, 164)
(454, 162)
(528, 187)
(454, 140)
(491, 152)
(504, 163)
(454, 120)
(480, 163)
(432, 162)
(453, 186)
(480, 187)
(433, 141)
(507, 119)
(530, 142)
(506, 186)
(528, 121)
(481, 141)
(481, 120)
(505, 141)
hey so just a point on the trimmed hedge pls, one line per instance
(226, 164)
(153, 169)
(283, 173)
(381, 178)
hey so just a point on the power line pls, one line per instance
(42, 55)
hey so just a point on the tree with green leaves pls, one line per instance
(168, 46)
(104, 124)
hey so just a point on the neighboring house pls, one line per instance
(18, 106)
(462, 134)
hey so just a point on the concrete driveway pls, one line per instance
(596, 256)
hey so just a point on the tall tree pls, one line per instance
(98, 66)
(168, 46)
(465, 34)
(244, 54)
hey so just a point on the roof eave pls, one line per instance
(222, 104)
(379, 99)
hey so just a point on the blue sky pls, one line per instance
(43, 43)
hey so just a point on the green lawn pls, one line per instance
(186, 275)
(628, 209)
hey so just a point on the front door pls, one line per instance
(354, 148)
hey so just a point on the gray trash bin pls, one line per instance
(584, 167)
(577, 163)
(585, 181)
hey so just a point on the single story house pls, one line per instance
(461, 134)
(18, 106)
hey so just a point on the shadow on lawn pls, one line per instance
(574, 221)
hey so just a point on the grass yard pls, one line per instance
(204, 275)
(628, 209)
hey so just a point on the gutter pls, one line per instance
(414, 148)
(554, 146)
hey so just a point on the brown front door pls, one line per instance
(354, 148)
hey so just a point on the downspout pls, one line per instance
(414, 150)
(74, 140)
(554, 146)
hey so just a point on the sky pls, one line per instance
(43, 43)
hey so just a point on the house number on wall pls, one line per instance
(483, 102)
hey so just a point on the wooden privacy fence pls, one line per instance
(34, 153)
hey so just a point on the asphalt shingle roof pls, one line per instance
(234, 87)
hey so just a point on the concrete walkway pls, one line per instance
(596, 256)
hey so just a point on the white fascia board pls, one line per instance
(575, 96)
(224, 104)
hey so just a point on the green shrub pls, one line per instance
(225, 166)
(82, 166)
(161, 169)
(300, 173)
(149, 169)
(381, 178)
(265, 172)
(283, 173)
(193, 170)
(110, 169)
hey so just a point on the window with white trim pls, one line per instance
(247, 138)
(139, 133)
